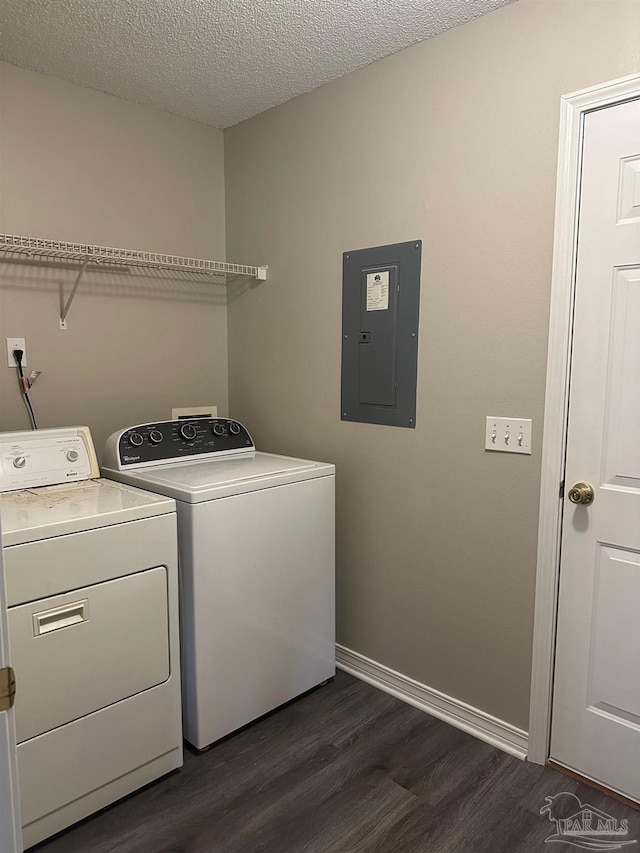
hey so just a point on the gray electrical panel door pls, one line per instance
(380, 307)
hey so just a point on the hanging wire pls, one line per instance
(24, 389)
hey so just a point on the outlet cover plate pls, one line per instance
(508, 435)
(16, 343)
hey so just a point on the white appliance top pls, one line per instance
(208, 479)
(40, 513)
(197, 460)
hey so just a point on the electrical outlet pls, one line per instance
(15, 343)
(508, 435)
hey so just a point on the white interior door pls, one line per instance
(596, 707)
(10, 832)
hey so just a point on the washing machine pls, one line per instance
(257, 564)
(92, 590)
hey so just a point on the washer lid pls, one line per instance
(208, 479)
(32, 514)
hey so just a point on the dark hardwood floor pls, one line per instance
(344, 769)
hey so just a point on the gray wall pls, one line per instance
(453, 141)
(77, 165)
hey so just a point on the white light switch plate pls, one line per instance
(508, 435)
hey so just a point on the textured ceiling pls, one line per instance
(216, 61)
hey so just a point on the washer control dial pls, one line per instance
(188, 432)
(72, 455)
(19, 461)
(163, 442)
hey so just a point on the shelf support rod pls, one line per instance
(67, 304)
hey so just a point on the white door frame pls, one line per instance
(572, 112)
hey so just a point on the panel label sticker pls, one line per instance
(378, 291)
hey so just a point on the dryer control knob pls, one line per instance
(72, 455)
(136, 439)
(188, 432)
(234, 428)
(19, 461)
(218, 429)
(155, 436)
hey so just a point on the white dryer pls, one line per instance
(257, 565)
(92, 589)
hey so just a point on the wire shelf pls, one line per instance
(16, 248)
(53, 249)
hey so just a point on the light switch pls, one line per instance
(508, 435)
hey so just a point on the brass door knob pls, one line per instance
(582, 493)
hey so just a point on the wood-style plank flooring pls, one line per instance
(344, 769)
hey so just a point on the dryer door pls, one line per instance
(10, 836)
(78, 652)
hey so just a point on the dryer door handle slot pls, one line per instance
(60, 617)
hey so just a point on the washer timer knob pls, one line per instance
(19, 461)
(188, 432)
(155, 436)
(234, 428)
(135, 439)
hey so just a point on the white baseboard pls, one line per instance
(453, 711)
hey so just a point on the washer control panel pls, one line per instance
(172, 441)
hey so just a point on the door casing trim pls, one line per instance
(573, 108)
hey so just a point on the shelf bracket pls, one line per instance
(67, 304)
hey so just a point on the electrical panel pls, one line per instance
(380, 309)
